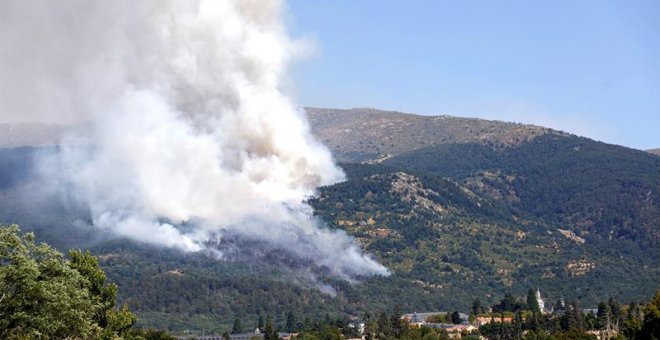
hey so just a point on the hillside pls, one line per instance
(457, 208)
(365, 134)
(591, 187)
(594, 189)
(443, 235)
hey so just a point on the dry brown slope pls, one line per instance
(654, 151)
(365, 134)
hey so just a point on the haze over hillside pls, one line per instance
(456, 208)
(361, 134)
(356, 134)
(492, 158)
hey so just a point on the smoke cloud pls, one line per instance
(188, 135)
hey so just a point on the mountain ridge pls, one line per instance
(327, 123)
(367, 134)
(453, 219)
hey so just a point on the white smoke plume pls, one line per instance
(187, 121)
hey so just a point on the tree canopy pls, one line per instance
(45, 295)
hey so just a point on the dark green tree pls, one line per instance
(517, 326)
(43, 295)
(573, 319)
(591, 321)
(456, 318)
(539, 335)
(632, 325)
(114, 322)
(632, 328)
(617, 316)
(270, 332)
(371, 329)
(237, 327)
(532, 303)
(290, 322)
(397, 324)
(477, 307)
(651, 325)
(508, 304)
(603, 316)
(384, 328)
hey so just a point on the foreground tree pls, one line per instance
(651, 324)
(44, 295)
(113, 322)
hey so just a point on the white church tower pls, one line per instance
(539, 300)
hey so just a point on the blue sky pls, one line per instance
(587, 67)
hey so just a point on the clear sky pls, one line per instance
(587, 67)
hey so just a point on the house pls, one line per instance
(484, 320)
(419, 318)
(454, 331)
(460, 328)
(357, 324)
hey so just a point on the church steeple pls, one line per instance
(539, 300)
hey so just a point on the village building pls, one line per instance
(357, 324)
(454, 330)
(484, 320)
(540, 301)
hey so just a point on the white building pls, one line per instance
(539, 300)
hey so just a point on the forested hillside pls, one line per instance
(592, 188)
(457, 209)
